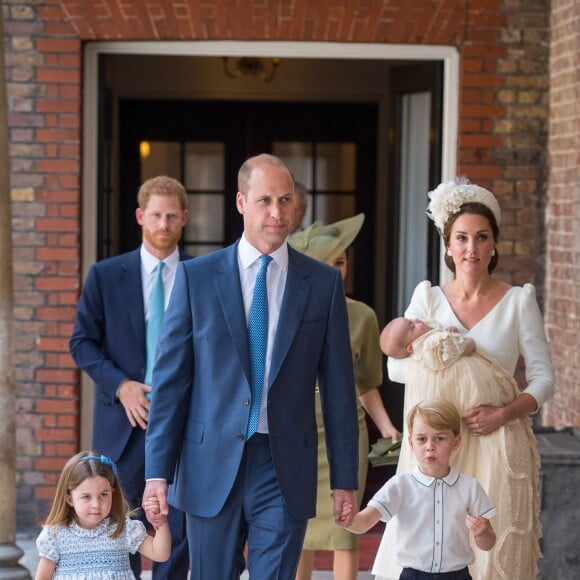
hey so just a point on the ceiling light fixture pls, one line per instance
(249, 66)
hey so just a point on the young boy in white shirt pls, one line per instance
(436, 506)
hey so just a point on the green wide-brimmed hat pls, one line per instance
(327, 242)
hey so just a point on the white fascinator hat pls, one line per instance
(448, 197)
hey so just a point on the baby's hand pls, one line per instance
(476, 524)
(451, 329)
(468, 347)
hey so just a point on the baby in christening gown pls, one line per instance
(505, 462)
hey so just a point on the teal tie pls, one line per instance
(156, 311)
(258, 342)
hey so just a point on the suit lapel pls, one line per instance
(227, 285)
(296, 294)
(130, 284)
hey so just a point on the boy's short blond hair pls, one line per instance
(438, 414)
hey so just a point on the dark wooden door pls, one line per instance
(331, 148)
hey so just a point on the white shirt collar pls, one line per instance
(428, 480)
(149, 261)
(248, 254)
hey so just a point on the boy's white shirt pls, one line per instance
(431, 532)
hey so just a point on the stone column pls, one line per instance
(9, 552)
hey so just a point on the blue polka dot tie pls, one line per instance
(258, 342)
(156, 311)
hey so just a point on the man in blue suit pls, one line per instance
(236, 486)
(109, 344)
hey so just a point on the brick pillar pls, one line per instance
(563, 215)
(9, 552)
(43, 81)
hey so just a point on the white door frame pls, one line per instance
(448, 55)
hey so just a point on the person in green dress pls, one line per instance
(329, 244)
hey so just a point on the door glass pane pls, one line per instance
(204, 166)
(160, 158)
(298, 157)
(328, 171)
(204, 177)
(335, 166)
(206, 218)
(415, 126)
(332, 208)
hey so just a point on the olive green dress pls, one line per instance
(322, 532)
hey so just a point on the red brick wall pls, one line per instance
(502, 144)
(503, 124)
(43, 75)
(563, 214)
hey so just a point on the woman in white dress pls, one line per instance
(505, 322)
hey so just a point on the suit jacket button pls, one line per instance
(246, 402)
(240, 436)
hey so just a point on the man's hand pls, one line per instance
(345, 506)
(132, 397)
(151, 507)
(155, 502)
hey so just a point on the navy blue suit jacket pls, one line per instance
(108, 343)
(200, 402)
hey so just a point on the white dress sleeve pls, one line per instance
(534, 348)
(419, 307)
(135, 533)
(46, 544)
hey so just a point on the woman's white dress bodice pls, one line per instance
(512, 328)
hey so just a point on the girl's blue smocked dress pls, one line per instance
(82, 554)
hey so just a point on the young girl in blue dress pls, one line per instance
(88, 534)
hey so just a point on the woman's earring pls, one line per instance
(493, 253)
(449, 253)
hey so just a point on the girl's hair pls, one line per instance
(78, 468)
(472, 208)
(438, 414)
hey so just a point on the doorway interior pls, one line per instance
(203, 143)
(365, 128)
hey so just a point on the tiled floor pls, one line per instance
(368, 548)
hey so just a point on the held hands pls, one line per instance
(158, 546)
(344, 507)
(347, 511)
(152, 507)
(132, 397)
(155, 502)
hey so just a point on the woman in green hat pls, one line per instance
(329, 244)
